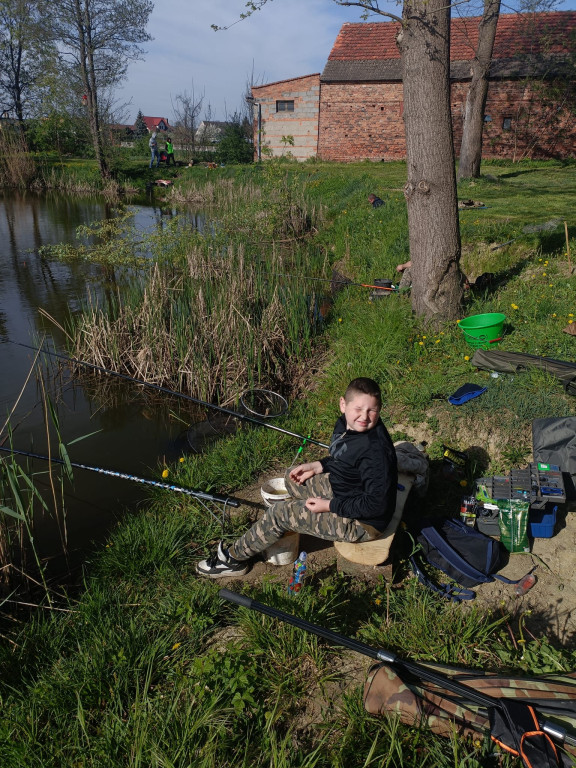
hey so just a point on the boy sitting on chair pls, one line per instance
(348, 496)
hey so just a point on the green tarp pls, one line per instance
(513, 362)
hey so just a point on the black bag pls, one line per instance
(554, 442)
(464, 554)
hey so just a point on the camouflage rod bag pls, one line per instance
(417, 702)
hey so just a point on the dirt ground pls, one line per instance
(551, 602)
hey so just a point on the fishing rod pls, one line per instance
(227, 500)
(419, 671)
(330, 280)
(172, 392)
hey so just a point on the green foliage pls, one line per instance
(140, 129)
(235, 146)
(59, 132)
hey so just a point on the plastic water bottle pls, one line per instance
(295, 583)
(525, 584)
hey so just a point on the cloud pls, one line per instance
(287, 38)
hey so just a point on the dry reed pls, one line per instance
(211, 329)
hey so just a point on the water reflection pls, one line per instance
(128, 432)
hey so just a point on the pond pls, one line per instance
(127, 433)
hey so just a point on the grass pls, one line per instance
(147, 666)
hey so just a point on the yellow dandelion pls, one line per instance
(553, 314)
(570, 314)
(543, 274)
(514, 306)
(423, 337)
(421, 343)
(570, 322)
(466, 357)
(378, 601)
(165, 473)
(339, 319)
(176, 645)
(181, 459)
(437, 341)
(463, 483)
(549, 285)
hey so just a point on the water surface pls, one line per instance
(127, 432)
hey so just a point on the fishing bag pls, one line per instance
(418, 703)
(465, 555)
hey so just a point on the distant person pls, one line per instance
(375, 201)
(170, 152)
(154, 154)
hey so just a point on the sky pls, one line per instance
(287, 38)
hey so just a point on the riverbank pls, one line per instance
(148, 667)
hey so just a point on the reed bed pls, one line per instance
(206, 313)
(212, 328)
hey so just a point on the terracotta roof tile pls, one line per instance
(517, 34)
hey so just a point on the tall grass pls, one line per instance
(213, 328)
(17, 167)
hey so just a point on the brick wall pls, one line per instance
(364, 121)
(361, 121)
(348, 122)
(301, 124)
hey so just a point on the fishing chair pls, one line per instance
(377, 551)
(412, 472)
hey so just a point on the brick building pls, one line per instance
(353, 109)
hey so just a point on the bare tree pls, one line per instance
(97, 39)
(186, 118)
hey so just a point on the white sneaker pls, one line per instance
(221, 563)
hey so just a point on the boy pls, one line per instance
(348, 496)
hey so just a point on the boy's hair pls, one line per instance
(363, 386)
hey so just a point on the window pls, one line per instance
(506, 123)
(285, 106)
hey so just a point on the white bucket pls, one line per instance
(274, 490)
(285, 550)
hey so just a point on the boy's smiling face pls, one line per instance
(361, 412)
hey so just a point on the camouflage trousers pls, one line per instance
(292, 515)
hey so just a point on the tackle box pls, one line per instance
(539, 484)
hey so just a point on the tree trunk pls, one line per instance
(430, 191)
(90, 84)
(471, 148)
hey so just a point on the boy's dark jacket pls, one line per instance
(363, 474)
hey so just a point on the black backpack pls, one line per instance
(465, 555)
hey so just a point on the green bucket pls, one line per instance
(483, 331)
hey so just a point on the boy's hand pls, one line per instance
(318, 505)
(303, 472)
